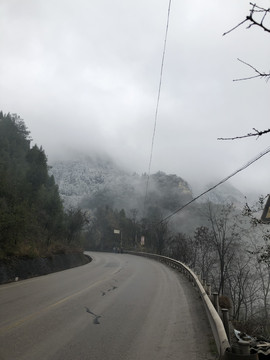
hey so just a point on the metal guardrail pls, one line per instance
(215, 321)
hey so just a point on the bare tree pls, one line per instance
(259, 17)
(239, 283)
(261, 269)
(161, 234)
(181, 247)
(250, 300)
(205, 257)
(260, 255)
(225, 238)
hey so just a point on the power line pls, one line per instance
(157, 104)
(266, 151)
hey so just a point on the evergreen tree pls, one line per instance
(32, 217)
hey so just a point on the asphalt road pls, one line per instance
(118, 306)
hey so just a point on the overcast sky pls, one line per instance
(84, 76)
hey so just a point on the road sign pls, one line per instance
(116, 231)
(266, 212)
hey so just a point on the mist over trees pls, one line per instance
(115, 199)
(34, 222)
(228, 247)
(32, 218)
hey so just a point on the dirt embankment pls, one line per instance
(13, 268)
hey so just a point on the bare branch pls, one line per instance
(235, 27)
(255, 9)
(257, 17)
(259, 73)
(257, 133)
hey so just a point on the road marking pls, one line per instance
(52, 306)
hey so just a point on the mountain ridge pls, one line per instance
(92, 181)
(82, 181)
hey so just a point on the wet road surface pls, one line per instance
(118, 306)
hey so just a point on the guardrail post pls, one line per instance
(208, 289)
(244, 347)
(215, 301)
(204, 283)
(225, 319)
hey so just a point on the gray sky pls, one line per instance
(84, 76)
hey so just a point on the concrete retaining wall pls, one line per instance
(13, 268)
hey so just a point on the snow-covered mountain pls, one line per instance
(78, 179)
(90, 182)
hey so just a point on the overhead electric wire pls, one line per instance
(266, 151)
(157, 104)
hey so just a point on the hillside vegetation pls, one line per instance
(34, 222)
(115, 199)
(32, 219)
(91, 182)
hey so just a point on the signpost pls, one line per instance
(116, 231)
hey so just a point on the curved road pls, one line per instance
(118, 306)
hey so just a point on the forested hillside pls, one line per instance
(96, 183)
(34, 222)
(32, 219)
(91, 182)
(115, 199)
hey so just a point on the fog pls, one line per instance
(84, 76)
